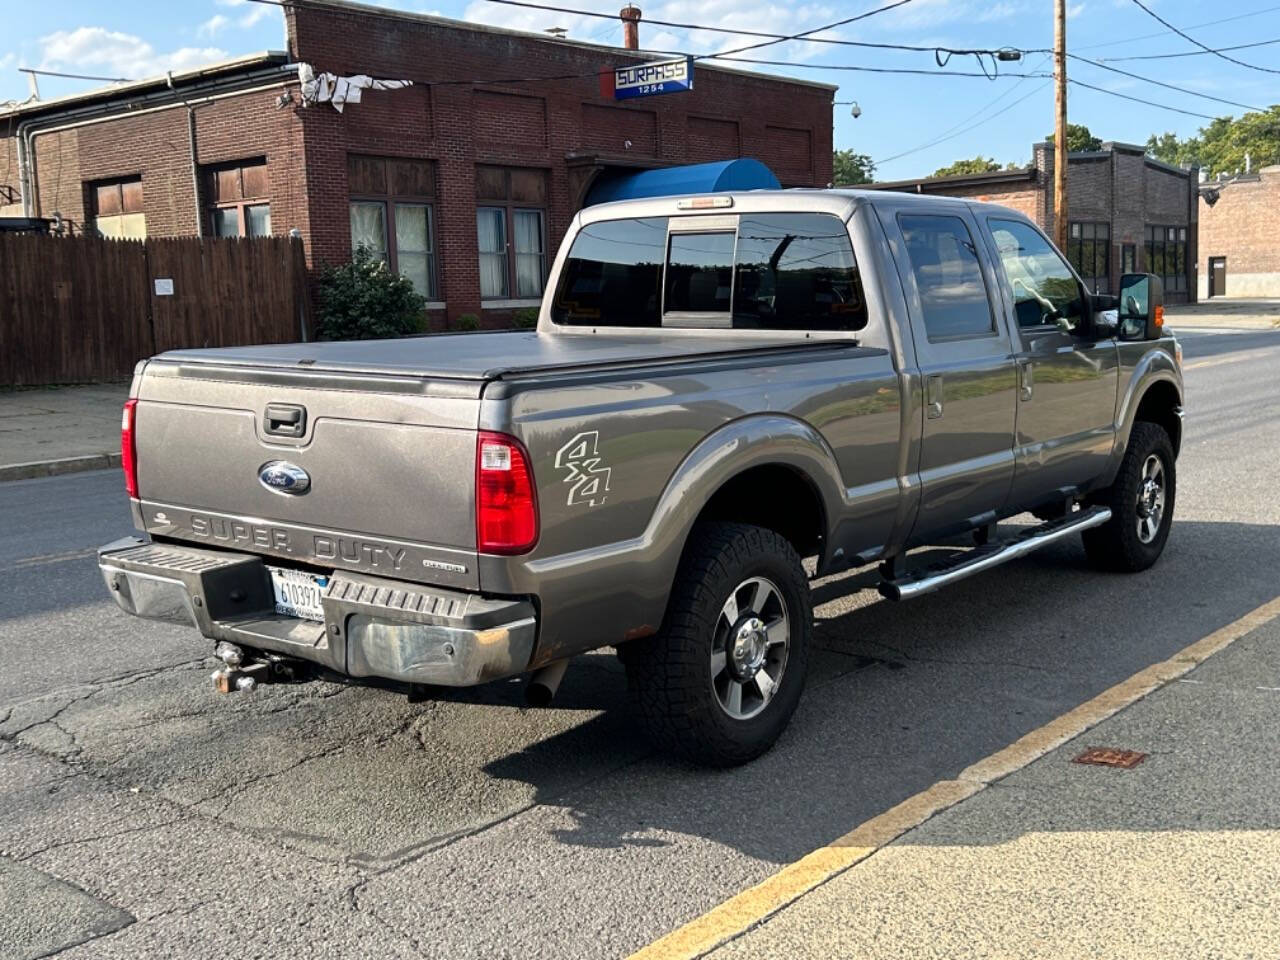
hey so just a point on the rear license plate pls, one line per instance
(297, 593)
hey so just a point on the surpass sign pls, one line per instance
(648, 79)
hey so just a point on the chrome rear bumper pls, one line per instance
(372, 627)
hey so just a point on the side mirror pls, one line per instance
(1141, 312)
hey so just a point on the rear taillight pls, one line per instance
(128, 448)
(506, 505)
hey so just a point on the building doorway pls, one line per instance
(1217, 276)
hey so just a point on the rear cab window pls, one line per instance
(948, 277)
(753, 271)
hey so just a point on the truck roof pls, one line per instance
(839, 201)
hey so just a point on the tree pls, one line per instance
(1168, 148)
(851, 168)
(1222, 146)
(1079, 138)
(978, 164)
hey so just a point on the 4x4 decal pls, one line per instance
(589, 481)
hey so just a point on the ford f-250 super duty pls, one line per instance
(718, 386)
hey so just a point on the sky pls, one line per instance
(909, 125)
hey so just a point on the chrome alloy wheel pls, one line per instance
(1151, 492)
(749, 649)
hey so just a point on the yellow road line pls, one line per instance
(1215, 362)
(756, 904)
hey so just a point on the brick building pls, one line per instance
(1126, 211)
(464, 181)
(1239, 243)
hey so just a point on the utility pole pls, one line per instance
(1060, 123)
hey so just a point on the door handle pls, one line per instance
(1026, 379)
(933, 396)
(284, 420)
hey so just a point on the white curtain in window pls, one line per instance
(368, 229)
(528, 224)
(259, 217)
(413, 244)
(226, 222)
(491, 234)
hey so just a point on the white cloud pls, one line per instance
(254, 13)
(1075, 9)
(8, 60)
(213, 26)
(117, 54)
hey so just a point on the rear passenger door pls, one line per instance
(965, 359)
(1067, 375)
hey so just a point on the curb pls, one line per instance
(756, 905)
(56, 468)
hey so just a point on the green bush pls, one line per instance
(364, 300)
(525, 317)
(468, 321)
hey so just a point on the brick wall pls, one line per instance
(1241, 226)
(155, 145)
(457, 124)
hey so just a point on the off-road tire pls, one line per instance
(1116, 545)
(669, 675)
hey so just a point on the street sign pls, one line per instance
(650, 79)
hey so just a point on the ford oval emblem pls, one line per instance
(281, 476)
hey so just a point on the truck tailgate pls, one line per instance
(389, 464)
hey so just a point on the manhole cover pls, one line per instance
(1111, 757)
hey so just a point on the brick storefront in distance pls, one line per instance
(467, 180)
(1239, 243)
(1126, 212)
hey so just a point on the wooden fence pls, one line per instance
(74, 309)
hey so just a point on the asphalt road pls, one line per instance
(144, 816)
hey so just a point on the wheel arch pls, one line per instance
(771, 471)
(1153, 394)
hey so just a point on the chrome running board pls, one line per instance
(967, 563)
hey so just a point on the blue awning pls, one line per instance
(745, 173)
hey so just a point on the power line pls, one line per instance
(1161, 83)
(723, 55)
(748, 33)
(951, 136)
(861, 69)
(1218, 53)
(1194, 26)
(1145, 103)
(72, 76)
(1189, 53)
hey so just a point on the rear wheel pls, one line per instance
(719, 683)
(1141, 501)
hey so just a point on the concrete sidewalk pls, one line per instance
(51, 430)
(1225, 313)
(1176, 857)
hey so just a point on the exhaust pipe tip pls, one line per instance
(544, 684)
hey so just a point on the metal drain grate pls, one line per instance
(1110, 757)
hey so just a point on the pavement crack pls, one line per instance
(128, 831)
(353, 899)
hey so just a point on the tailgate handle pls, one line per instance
(285, 420)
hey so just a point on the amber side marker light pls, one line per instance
(1110, 757)
(1159, 316)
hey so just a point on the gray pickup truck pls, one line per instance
(718, 387)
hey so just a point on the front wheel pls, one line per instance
(720, 681)
(1141, 501)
